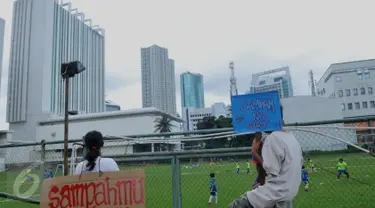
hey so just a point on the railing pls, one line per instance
(181, 178)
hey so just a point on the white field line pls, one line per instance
(9, 200)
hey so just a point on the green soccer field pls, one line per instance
(325, 190)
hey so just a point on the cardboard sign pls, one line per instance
(122, 189)
(256, 112)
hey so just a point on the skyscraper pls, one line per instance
(44, 35)
(158, 79)
(192, 93)
(273, 80)
(2, 29)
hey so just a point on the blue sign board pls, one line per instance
(257, 112)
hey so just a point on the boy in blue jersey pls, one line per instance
(213, 188)
(305, 178)
(50, 173)
(238, 167)
(46, 174)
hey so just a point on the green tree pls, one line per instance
(207, 123)
(163, 124)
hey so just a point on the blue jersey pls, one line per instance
(213, 187)
(51, 173)
(304, 175)
(46, 175)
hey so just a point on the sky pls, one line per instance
(204, 36)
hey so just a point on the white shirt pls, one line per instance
(282, 160)
(105, 165)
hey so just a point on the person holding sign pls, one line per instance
(257, 158)
(93, 162)
(281, 151)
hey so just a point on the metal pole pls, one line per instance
(42, 159)
(66, 126)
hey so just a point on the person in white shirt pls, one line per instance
(93, 162)
(282, 161)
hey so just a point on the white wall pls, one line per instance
(192, 116)
(114, 126)
(219, 109)
(302, 109)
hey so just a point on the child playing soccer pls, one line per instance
(46, 174)
(27, 176)
(213, 188)
(311, 164)
(238, 167)
(342, 168)
(305, 178)
(51, 173)
(248, 168)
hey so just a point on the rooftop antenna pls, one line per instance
(233, 80)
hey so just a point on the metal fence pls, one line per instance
(181, 178)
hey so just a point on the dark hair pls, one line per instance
(303, 167)
(93, 142)
(212, 175)
(341, 159)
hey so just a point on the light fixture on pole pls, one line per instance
(68, 70)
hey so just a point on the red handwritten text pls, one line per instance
(100, 193)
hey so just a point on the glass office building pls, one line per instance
(192, 93)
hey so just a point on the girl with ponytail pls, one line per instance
(93, 162)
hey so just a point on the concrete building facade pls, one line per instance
(273, 80)
(192, 116)
(46, 34)
(192, 91)
(2, 31)
(158, 79)
(352, 84)
(115, 124)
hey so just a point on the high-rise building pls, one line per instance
(352, 83)
(158, 79)
(2, 29)
(46, 34)
(192, 93)
(111, 106)
(273, 80)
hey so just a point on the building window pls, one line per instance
(350, 106)
(340, 93)
(342, 106)
(347, 92)
(357, 106)
(338, 79)
(372, 104)
(369, 90)
(355, 91)
(363, 91)
(364, 104)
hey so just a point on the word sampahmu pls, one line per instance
(125, 193)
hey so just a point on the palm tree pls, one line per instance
(163, 124)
